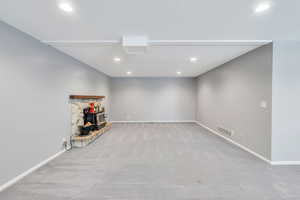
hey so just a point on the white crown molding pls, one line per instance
(29, 171)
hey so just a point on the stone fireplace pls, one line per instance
(88, 119)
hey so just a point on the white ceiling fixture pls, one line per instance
(178, 72)
(135, 44)
(193, 59)
(67, 7)
(129, 73)
(117, 59)
(262, 7)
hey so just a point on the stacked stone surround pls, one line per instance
(77, 106)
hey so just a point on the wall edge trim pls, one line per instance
(29, 171)
(236, 144)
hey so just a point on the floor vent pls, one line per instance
(225, 131)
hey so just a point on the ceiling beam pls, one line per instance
(97, 43)
(208, 42)
(81, 43)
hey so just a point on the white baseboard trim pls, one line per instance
(183, 121)
(285, 162)
(250, 151)
(235, 143)
(29, 171)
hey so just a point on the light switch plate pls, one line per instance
(263, 104)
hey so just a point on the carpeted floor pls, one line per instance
(158, 162)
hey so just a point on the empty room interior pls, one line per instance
(150, 100)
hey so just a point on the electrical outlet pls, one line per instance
(225, 131)
(263, 104)
(64, 143)
(64, 140)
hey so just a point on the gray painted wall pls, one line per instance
(286, 101)
(153, 99)
(35, 81)
(230, 96)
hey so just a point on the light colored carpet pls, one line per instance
(158, 162)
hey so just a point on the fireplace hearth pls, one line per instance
(88, 119)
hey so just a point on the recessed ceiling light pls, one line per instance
(117, 59)
(193, 59)
(129, 73)
(178, 72)
(66, 7)
(262, 7)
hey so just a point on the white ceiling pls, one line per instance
(163, 61)
(159, 20)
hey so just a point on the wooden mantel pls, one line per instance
(85, 97)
